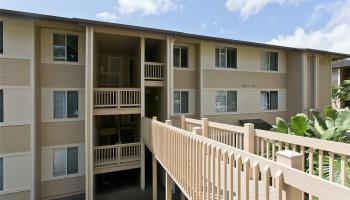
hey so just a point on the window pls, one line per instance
(65, 47)
(65, 161)
(226, 101)
(226, 57)
(181, 102)
(1, 174)
(269, 100)
(269, 61)
(180, 56)
(1, 37)
(65, 104)
(1, 106)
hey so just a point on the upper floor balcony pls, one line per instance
(109, 101)
(154, 74)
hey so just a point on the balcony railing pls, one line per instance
(267, 143)
(117, 154)
(109, 79)
(154, 71)
(206, 169)
(117, 97)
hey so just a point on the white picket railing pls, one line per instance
(206, 169)
(109, 79)
(117, 97)
(117, 154)
(154, 71)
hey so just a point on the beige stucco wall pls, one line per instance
(60, 133)
(240, 79)
(14, 71)
(294, 83)
(324, 81)
(47, 49)
(17, 105)
(22, 195)
(248, 58)
(14, 139)
(248, 101)
(62, 187)
(62, 76)
(184, 79)
(269, 117)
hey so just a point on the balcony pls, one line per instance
(154, 74)
(109, 101)
(117, 157)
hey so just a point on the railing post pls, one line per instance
(249, 138)
(154, 118)
(143, 167)
(168, 121)
(205, 127)
(168, 187)
(291, 159)
(154, 177)
(182, 122)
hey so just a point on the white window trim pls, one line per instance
(65, 47)
(180, 67)
(227, 102)
(268, 67)
(269, 103)
(188, 103)
(65, 118)
(225, 68)
(66, 163)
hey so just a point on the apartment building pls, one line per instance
(73, 92)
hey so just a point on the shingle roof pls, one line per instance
(341, 63)
(176, 33)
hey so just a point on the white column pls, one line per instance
(316, 79)
(89, 86)
(170, 74)
(143, 166)
(304, 76)
(142, 49)
(168, 187)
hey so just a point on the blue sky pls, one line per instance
(318, 24)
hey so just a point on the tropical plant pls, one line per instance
(341, 93)
(335, 126)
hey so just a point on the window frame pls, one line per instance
(66, 105)
(267, 66)
(226, 101)
(188, 101)
(2, 37)
(180, 46)
(269, 103)
(66, 161)
(225, 54)
(65, 47)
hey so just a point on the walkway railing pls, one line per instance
(320, 157)
(154, 71)
(117, 154)
(109, 79)
(207, 169)
(117, 97)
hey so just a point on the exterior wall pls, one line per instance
(324, 83)
(64, 132)
(17, 132)
(294, 83)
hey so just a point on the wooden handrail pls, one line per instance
(204, 168)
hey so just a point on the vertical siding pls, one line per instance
(23, 195)
(62, 187)
(14, 139)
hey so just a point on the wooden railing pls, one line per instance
(207, 169)
(117, 97)
(320, 157)
(154, 71)
(117, 154)
(109, 79)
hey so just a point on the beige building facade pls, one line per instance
(73, 93)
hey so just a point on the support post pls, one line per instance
(143, 166)
(205, 127)
(291, 159)
(154, 118)
(154, 177)
(168, 187)
(249, 137)
(182, 122)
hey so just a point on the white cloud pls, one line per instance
(106, 16)
(247, 8)
(333, 36)
(145, 7)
